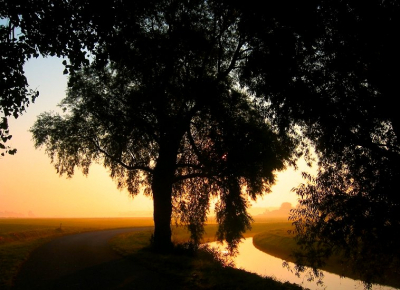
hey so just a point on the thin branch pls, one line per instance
(234, 59)
(210, 175)
(193, 144)
(117, 160)
(188, 165)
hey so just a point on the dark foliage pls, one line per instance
(350, 115)
(323, 72)
(15, 95)
(167, 116)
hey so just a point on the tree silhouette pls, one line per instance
(324, 72)
(179, 148)
(167, 115)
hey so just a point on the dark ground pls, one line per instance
(83, 261)
(87, 261)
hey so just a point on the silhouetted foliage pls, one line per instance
(14, 92)
(352, 206)
(322, 72)
(180, 152)
(167, 115)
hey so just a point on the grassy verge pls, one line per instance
(185, 269)
(276, 241)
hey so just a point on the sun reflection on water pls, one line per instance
(253, 260)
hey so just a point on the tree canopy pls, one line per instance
(181, 153)
(167, 115)
(323, 72)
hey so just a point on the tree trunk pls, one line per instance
(162, 197)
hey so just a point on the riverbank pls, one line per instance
(205, 269)
(278, 242)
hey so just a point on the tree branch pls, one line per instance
(119, 161)
(234, 59)
(196, 175)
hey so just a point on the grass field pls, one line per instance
(19, 237)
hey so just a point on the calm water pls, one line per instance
(253, 260)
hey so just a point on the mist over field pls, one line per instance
(11, 214)
(256, 212)
(282, 211)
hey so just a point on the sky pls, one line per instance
(30, 186)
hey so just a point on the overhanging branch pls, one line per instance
(119, 161)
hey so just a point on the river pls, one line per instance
(253, 260)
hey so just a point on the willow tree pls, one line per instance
(180, 152)
(168, 116)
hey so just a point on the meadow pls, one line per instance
(19, 237)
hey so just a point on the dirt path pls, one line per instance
(81, 261)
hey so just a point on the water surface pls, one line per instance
(253, 260)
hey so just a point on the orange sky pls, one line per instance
(29, 183)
